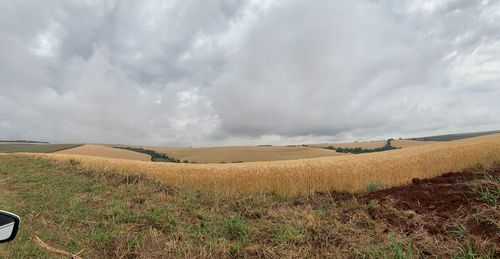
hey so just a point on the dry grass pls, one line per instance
(341, 173)
(242, 154)
(106, 152)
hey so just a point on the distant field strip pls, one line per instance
(242, 154)
(409, 143)
(341, 173)
(361, 144)
(448, 137)
(106, 152)
(34, 148)
(375, 144)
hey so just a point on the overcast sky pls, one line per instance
(231, 72)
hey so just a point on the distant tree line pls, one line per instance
(359, 150)
(234, 162)
(155, 156)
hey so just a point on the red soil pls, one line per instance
(439, 202)
(433, 204)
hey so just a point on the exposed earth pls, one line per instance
(435, 205)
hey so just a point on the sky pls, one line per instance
(232, 72)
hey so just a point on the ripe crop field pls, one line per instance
(448, 137)
(34, 148)
(354, 173)
(104, 151)
(360, 144)
(404, 143)
(243, 154)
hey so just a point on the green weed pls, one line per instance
(490, 195)
(235, 228)
(289, 234)
(399, 250)
(459, 232)
(466, 252)
(373, 187)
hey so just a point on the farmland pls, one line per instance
(438, 199)
(34, 148)
(456, 136)
(243, 154)
(101, 214)
(374, 205)
(361, 144)
(235, 154)
(104, 151)
(404, 143)
(353, 173)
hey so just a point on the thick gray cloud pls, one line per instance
(232, 72)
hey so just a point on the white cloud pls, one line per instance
(46, 43)
(233, 72)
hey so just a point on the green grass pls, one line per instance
(35, 148)
(289, 234)
(489, 194)
(400, 251)
(466, 252)
(460, 231)
(110, 215)
(487, 189)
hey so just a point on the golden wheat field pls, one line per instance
(360, 144)
(106, 152)
(340, 173)
(242, 154)
(404, 143)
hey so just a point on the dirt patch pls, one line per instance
(440, 205)
(484, 229)
(441, 195)
(437, 205)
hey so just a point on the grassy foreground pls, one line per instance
(112, 215)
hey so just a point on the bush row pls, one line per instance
(359, 150)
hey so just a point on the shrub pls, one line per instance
(155, 156)
(358, 150)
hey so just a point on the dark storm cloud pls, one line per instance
(218, 72)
